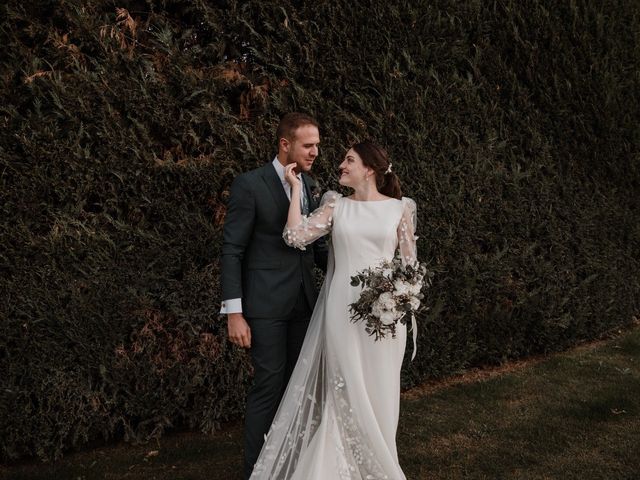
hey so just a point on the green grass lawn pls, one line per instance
(570, 416)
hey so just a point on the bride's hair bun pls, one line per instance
(376, 158)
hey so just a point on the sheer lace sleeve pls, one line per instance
(317, 224)
(407, 232)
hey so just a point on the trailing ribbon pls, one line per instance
(414, 329)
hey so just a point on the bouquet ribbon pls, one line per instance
(414, 331)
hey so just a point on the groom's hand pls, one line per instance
(239, 331)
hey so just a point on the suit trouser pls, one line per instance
(275, 346)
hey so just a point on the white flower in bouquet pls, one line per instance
(401, 287)
(415, 303)
(387, 301)
(377, 309)
(388, 317)
(415, 288)
(384, 308)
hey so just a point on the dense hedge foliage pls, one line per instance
(514, 125)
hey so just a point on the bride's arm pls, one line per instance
(407, 232)
(301, 230)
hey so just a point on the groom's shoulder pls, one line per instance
(253, 175)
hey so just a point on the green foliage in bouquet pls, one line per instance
(512, 124)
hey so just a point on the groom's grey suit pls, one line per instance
(276, 285)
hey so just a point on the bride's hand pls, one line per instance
(290, 175)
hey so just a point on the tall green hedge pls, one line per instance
(513, 123)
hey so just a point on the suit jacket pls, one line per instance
(257, 265)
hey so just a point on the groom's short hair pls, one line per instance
(290, 122)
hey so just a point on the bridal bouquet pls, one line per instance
(391, 293)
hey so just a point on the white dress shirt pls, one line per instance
(234, 305)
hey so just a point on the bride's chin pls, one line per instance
(343, 181)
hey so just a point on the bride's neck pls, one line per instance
(366, 191)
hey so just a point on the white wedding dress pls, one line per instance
(339, 415)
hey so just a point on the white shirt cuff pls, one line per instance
(233, 305)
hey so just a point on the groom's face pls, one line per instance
(303, 148)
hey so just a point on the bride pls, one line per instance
(339, 415)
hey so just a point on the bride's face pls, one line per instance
(352, 170)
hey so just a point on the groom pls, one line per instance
(268, 287)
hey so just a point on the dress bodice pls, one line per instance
(364, 233)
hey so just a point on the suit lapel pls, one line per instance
(271, 178)
(306, 181)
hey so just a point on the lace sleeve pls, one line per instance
(317, 224)
(407, 232)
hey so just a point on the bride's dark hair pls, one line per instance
(375, 157)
